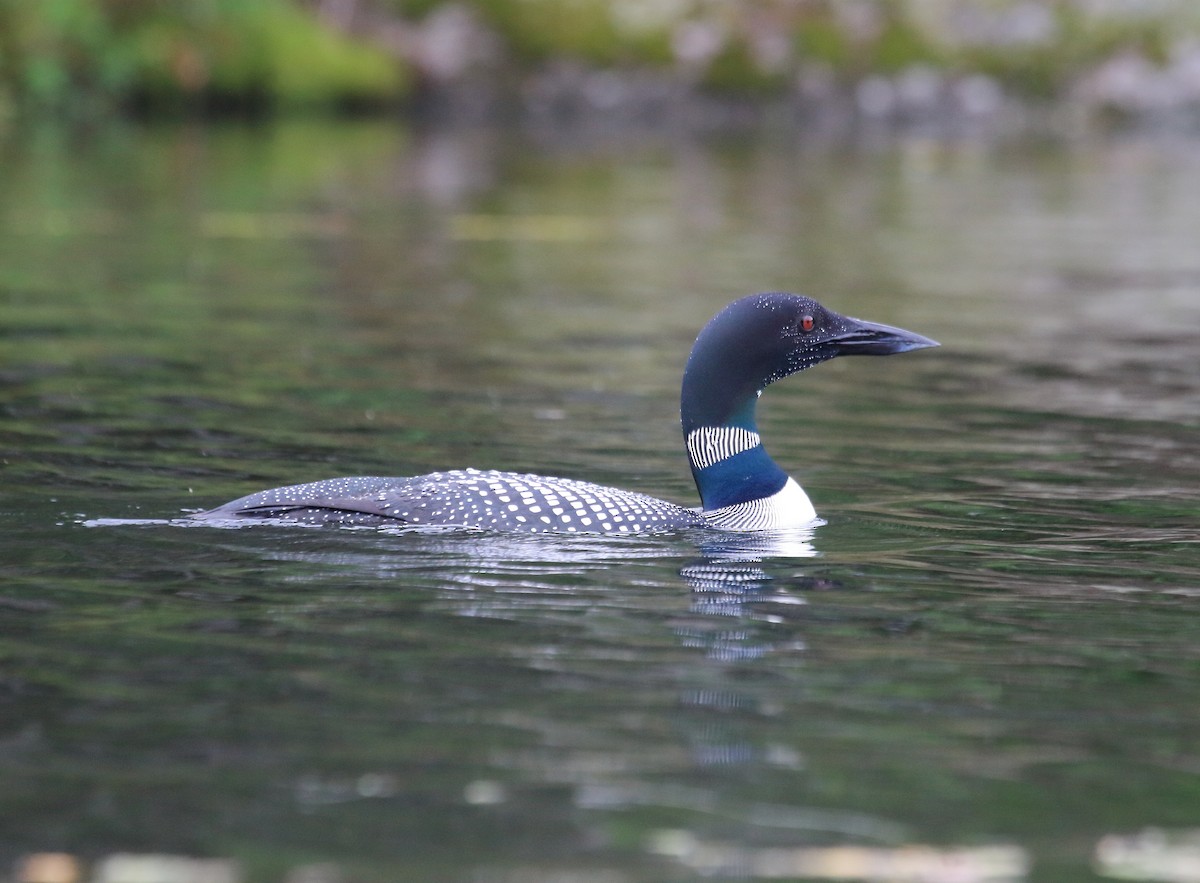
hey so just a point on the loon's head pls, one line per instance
(751, 343)
(762, 338)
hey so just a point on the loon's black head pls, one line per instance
(765, 337)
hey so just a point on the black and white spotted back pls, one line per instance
(469, 498)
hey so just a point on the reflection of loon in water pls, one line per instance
(733, 582)
(752, 342)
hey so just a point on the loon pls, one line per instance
(751, 343)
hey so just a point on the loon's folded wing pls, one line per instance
(356, 500)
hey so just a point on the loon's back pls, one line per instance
(751, 343)
(468, 498)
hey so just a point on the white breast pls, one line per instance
(787, 508)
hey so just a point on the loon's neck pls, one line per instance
(740, 486)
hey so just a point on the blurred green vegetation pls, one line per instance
(1044, 70)
(591, 31)
(156, 56)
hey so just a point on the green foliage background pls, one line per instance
(75, 55)
(170, 56)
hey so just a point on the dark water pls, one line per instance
(994, 643)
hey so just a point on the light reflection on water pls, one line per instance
(990, 645)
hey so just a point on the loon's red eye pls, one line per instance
(807, 323)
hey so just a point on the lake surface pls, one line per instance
(991, 649)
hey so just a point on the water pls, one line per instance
(992, 643)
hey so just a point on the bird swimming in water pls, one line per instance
(753, 342)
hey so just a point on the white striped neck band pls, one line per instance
(712, 444)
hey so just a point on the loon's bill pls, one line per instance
(751, 343)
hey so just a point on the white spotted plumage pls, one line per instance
(468, 498)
